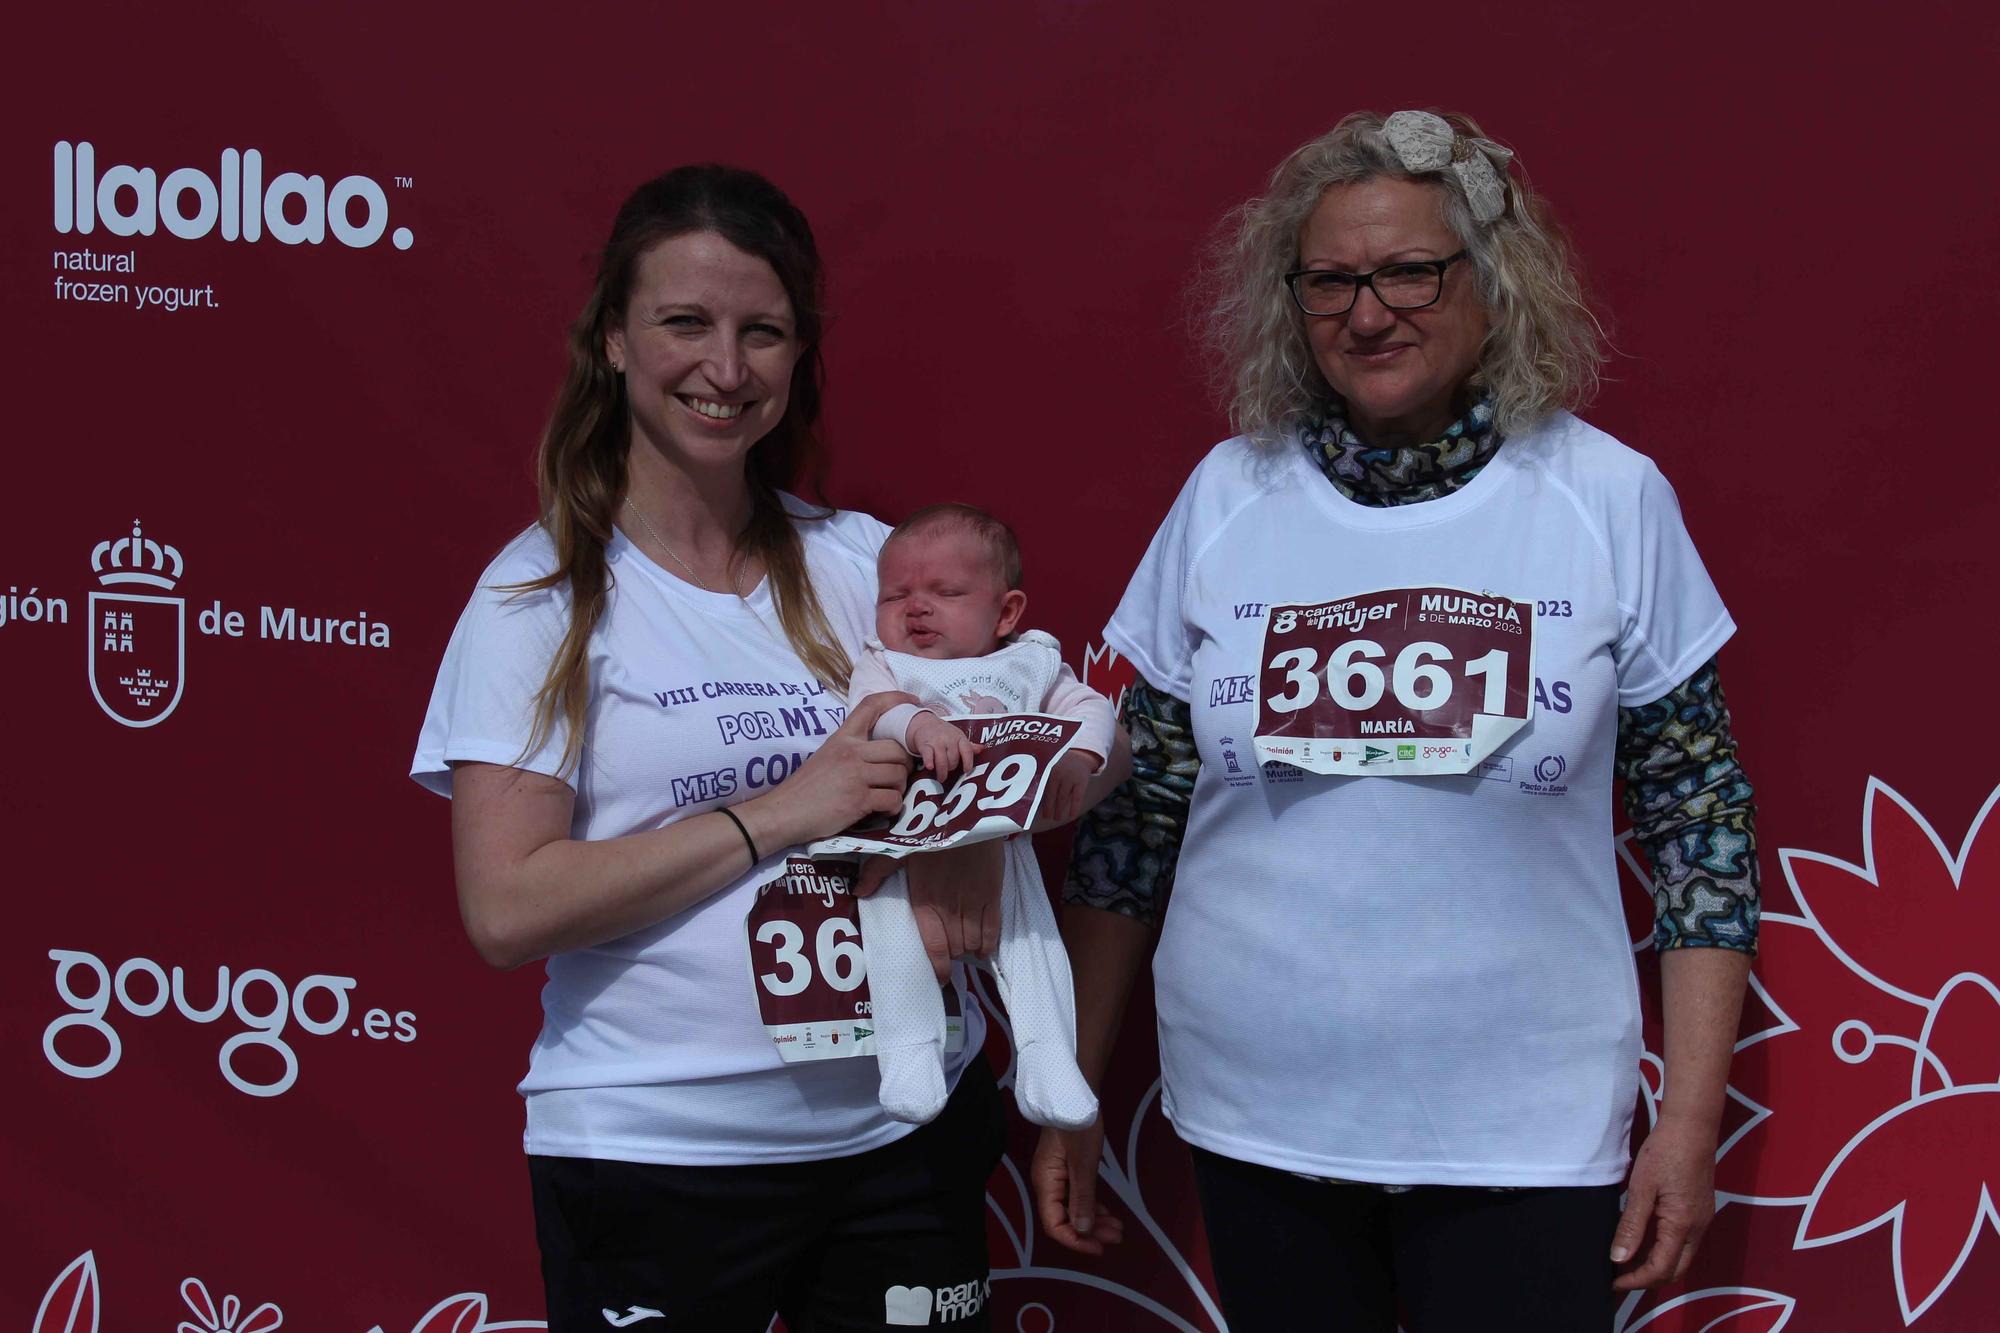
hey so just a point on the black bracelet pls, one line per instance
(748, 841)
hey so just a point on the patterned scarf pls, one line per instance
(1407, 473)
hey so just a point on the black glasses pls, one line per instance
(1411, 285)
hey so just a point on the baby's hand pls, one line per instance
(1063, 800)
(941, 746)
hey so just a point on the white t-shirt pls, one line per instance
(651, 1047)
(1417, 979)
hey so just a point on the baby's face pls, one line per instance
(941, 595)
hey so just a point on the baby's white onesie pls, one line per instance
(1026, 675)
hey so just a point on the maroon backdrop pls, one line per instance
(293, 1102)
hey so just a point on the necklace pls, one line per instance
(735, 583)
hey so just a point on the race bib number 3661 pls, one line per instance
(1395, 682)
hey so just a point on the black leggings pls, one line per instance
(1294, 1254)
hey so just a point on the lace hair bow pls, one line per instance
(1426, 143)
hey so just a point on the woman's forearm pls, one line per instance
(522, 902)
(1692, 809)
(1701, 1005)
(527, 889)
(1106, 951)
(1122, 868)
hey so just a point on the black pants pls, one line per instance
(891, 1237)
(1293, 1254)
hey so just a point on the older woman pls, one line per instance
(640, 723)
(1396, 640)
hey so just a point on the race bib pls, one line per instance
(1395, 682)
(996, 798)
(808, 968)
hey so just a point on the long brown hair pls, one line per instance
(581, 463)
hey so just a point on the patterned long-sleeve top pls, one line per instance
(1685, 791)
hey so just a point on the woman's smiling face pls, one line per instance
(707, 345)
(1398, 371)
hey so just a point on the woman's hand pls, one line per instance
(1106, 952)
(955, 895)
(1673, 1175)
(1064, 1176)
(847, 779)
(1673, 1188)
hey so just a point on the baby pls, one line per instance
(946, 626)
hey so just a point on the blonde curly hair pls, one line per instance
(1543, 348)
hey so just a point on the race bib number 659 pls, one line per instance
(1395, 682)
(996, 798)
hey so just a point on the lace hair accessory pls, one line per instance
(1427, 143)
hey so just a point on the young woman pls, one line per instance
(641, 713)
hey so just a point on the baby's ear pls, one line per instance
(1012, 607)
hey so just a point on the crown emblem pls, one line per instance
(136, 559)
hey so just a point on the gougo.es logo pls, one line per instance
(256, 997)
(236, 198)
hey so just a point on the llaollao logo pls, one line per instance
(236, 199)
